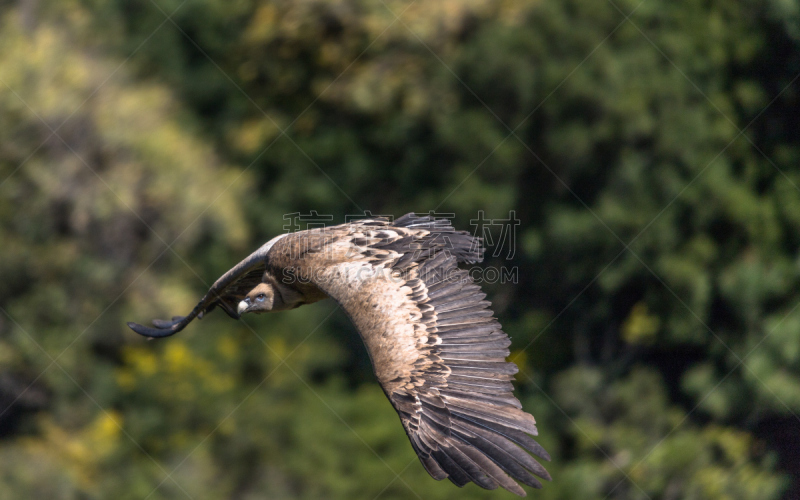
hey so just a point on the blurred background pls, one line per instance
(642, 156)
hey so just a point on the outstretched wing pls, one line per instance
(458, 407)
(435, 345)
(226, 293)
(233, 286)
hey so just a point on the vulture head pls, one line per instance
(269, 296)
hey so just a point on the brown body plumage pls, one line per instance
(436, 348)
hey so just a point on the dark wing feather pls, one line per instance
(226, 293)
(437, 233)
(487, 424)
(435, 346)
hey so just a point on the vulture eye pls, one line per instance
(260, 297)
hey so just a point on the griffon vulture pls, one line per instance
(436, 348)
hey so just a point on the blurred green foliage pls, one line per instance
(650, 150)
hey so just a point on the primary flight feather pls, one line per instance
(436, 348)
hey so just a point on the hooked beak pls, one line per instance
(243, 306)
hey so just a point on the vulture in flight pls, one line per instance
(436, 348)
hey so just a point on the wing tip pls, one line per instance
(152, 332)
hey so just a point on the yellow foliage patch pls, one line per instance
(640, 326)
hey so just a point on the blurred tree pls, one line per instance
(95, 196)
(650, 150)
